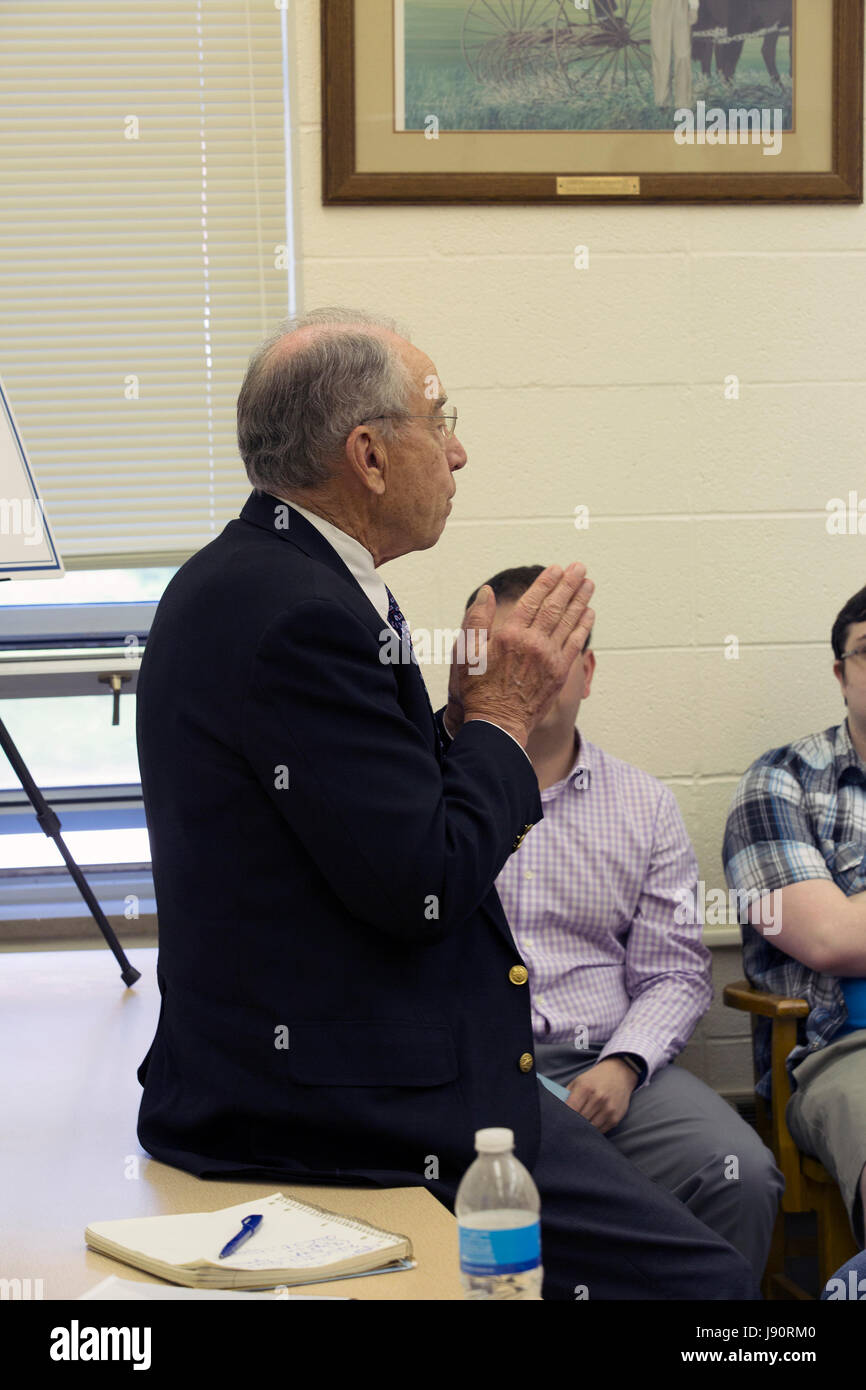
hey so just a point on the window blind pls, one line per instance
(143, 254)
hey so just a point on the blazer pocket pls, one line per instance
(374, 1053)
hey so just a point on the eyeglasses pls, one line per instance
(858, 655)
(445, 424)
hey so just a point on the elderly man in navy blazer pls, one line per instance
(341, 998)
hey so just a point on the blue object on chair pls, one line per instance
(849, 1282)
(854, 992)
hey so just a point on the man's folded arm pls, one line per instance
(410, 847)
(774, 863)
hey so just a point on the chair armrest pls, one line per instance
(756, 1001)
(784, 1013)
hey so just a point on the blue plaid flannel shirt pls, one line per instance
(799, 812)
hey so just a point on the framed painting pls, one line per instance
(627, 101)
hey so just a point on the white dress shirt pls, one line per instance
(356, 558)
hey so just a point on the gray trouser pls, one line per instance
(688, 1139)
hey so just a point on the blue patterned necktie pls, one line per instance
(399, 624)
(401, 627)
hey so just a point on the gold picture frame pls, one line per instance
(372, 155)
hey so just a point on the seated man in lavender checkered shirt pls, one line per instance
(594, 899)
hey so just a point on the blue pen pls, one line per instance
(250, 1225)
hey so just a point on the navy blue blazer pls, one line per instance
(334, 962)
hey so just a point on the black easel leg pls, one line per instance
(50, 823)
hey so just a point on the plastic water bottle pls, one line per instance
(497, 1209)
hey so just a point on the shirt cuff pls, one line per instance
(649, 1053)
(635, 1064)
(448, 733)
(495, 726)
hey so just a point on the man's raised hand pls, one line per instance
(527, 658)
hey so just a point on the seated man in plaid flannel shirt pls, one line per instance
(795, 850)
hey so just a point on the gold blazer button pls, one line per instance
(518, 974)
(527, 1062)
(521, 837)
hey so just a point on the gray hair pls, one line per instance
(296, 410)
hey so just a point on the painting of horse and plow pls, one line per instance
(483, 65)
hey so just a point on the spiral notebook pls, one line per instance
(296, 1243)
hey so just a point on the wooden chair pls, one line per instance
(808, 1185)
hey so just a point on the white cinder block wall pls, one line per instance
(605, 388)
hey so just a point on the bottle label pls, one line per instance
(500, 1252)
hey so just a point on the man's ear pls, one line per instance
(588, 672)
(366, 456)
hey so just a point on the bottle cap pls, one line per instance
(494, 1141)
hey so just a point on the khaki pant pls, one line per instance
(671, 39)
(827, 1115)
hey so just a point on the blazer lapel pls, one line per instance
(280, 518)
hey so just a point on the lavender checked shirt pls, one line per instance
(591, 897)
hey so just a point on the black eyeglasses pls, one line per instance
(445, 424)
(859, 655)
